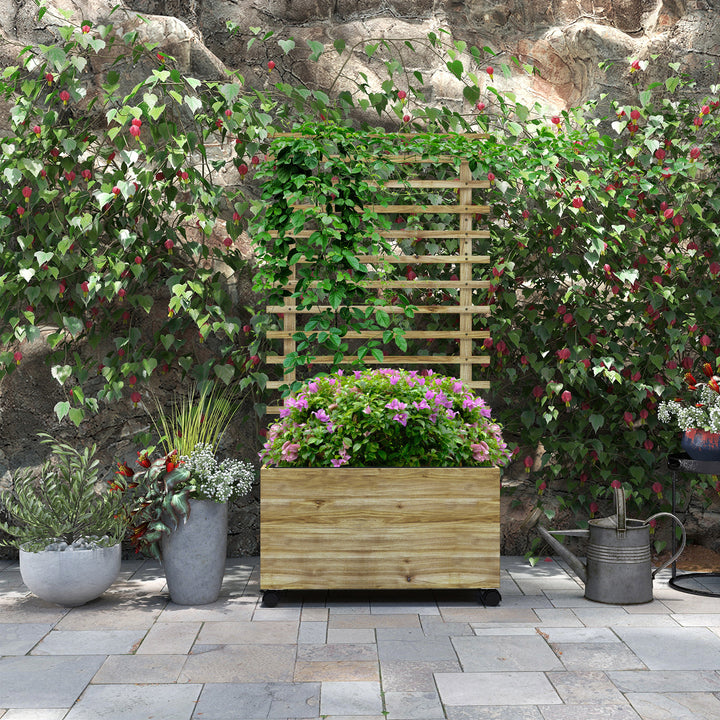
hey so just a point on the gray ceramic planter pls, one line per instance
(193, 555)
(70, 578)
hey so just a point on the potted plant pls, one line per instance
(67, 528)
(381, 479)
(179, 500)
(697, 415)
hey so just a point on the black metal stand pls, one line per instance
(682, 463)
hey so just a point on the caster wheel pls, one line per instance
(490, 598)
(270, 598)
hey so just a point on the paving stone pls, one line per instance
(351, 635)
(685, 603)
(505, 653)
(585, 688)
(413, 706)
(490, 615)
(580, 635)
(697, 619)
(525, 601)
(140, 669)
(259, 700)
(430, 649)
(433, 626)
(34, 714)
(28, 609)
(655, 606)
(617, 617)
(245, 632)
(337, 622)
(348, 608)
(493, 712)
(336, 670)
(588, 712)
(568, 599)
(21, 638)
(406, 634)
(558, 617)
(237, 609)
(675, 706)
(678, 648)
(415, 676)
(597, 656)
(45, 682)
(312, 631)
(240, 664)
(485, 629)
(169, 638)
(132, 612)
(338, 651)
(89, 642)
(313, 614)
(495, 688)
(136, 702)
(659, 681)
(277, 614)
(350, 698)
(428, 607)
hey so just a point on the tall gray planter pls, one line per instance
(193, 555)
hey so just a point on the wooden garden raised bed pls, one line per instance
(379, 528)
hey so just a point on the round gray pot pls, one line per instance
(70, 577)
(193, 554)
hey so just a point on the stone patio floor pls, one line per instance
(545, 653)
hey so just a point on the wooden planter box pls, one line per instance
(379, 528)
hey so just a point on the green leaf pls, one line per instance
(339, 45)
(193, 102)
(597, 421)
(73, 325)
(61, 409)
(225, 372)
(61, 373)
(317, 49)
(456, 68)
(287, 45)
(382, 318)
(77, 415)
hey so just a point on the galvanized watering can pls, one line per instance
(618, 569)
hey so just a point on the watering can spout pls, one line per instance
(573, 561)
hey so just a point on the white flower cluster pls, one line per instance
(220, 482)
(704, 416)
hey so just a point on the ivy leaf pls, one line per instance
(317, 49)
(597, 421)
(225, 372)
(287, 45)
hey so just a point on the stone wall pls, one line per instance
(563, 40)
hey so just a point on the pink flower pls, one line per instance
(705, 341)
(563, 354)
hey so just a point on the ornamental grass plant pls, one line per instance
(384, 417)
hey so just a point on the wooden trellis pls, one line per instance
(470, 341)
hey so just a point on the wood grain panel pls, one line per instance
(375, 528)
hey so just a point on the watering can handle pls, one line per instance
(620, 511)
(682, 541)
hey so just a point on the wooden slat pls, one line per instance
(391, 309)
(394, 234)
(466, 271)
(394, 360)
(414, 209)
(391, 283)
(408, 334)
(424, 259)
(379, 528)
(449, 184)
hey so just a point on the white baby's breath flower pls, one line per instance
(220, 482)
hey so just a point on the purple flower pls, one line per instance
(290, 451)
(422, 405)
(321, 415)
(480, 450)
(395, 404)
(367, 410)
(402, 418)
(312, 387)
